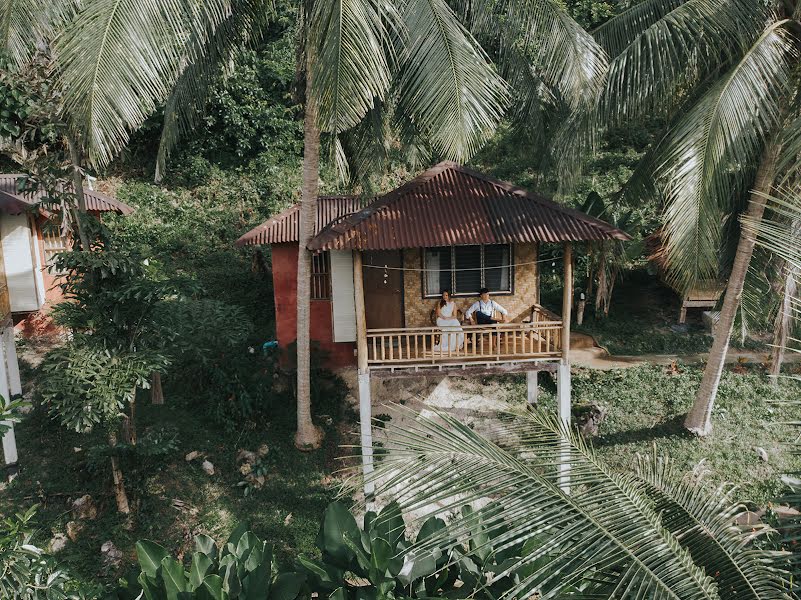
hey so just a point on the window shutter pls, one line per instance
(344, 304)
(16, 240)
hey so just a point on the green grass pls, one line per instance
(286, 511)
(646, 407)
(643, 318)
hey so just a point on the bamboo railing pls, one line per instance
(480, 344)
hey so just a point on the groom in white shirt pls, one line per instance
(484, 308)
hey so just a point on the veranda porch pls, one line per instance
(419, 349)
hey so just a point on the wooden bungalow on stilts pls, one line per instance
(386, 265)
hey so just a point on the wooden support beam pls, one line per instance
(9, 441)
(12, 362)
(563, 374)
(365, 400)
(563, 410)
(361, 319)
(366, 431)
(537, 271)
(567, 301)
(532, 387)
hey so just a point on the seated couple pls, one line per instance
(483, 309)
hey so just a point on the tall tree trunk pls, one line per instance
(116, 474)
(308, 436)
(590, 273)
(599, 293)
(699, 419)
(156, 391)
(783, 322)
(77, 184)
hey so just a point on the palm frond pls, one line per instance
(25, 24)
(561, 53)
(703, 518)
(779, 233)
(607, 525)
(348, 45)
(652, 74)
(620, 31)
(117, 60)
(447, 85)
(789, 163)
(706, 157)
(214, 48)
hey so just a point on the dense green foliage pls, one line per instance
(241, 569)
(208, 308)
(28, 572)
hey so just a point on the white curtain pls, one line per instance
(432, 266)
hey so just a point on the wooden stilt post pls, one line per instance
(567, 301)
(12, 362)
(10, 384)
(537, 273)
(563, 374)
(9, 440)
(365, 402)
(532, 387)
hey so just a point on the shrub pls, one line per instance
(27, 572)
(242, 568)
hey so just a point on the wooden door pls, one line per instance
(383, 289)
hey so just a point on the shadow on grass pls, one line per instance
(671, 428)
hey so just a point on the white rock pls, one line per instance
(84, 508)
(207, 467)
(74, 529)
(192, 456)
(246, 456)
(111, 555)
(58, 543)
(763, 454)
(785, 512)
(749, 518)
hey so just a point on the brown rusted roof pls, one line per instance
(450, 205)
(283, 227)
(12, 202)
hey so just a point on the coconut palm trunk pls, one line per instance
(79, 212)
(308, 436)
(783, 322)
(699, 419)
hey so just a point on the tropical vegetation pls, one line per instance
(674, 119)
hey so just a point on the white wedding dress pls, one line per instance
(452, 338)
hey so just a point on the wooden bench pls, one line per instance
(704, 295)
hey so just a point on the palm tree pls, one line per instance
(652, 532)
(725, 76)
(116, 61)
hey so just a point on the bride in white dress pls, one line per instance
(452, 338)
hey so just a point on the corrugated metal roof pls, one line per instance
(450, 205)
(284, 227)
(15, 203)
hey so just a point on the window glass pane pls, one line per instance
(438, 274)
(497, 268)
(468, 281)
